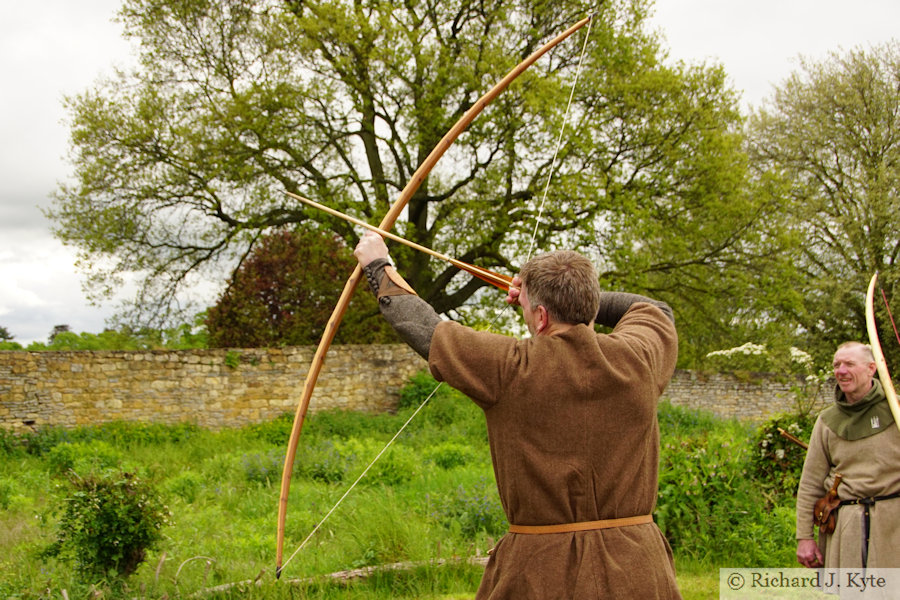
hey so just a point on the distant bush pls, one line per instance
(710, 507)
(83, 457)
(449, 413)
(276, 432)
(678, 420)
(332, 461)
(346, 424)
(322, 462)
(10, 443)
(397, 465)
(448, 455)
(186, 485)
(44, 439)
(702, 488)
(135, 433)
(120, 434)
(420, 386)
(7, 489)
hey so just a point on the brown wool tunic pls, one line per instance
(574, 437)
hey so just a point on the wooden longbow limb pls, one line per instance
(496, 279)
(386, 224)
(883, 373)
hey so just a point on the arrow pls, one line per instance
(496, 279)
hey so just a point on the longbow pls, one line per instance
(883, 374)
(386, 224)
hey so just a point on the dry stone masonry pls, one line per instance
(231, 388)
(212, 388)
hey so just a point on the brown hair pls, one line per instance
(565, 283)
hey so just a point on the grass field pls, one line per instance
(432, 497)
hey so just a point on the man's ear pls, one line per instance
(543, 319)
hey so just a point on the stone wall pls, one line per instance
(749, 396)
(228, 388)
(212, 388)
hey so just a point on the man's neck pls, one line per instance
(557, 328)
(859, 396)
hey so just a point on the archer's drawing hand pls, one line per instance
(370, 246)
(514, 290)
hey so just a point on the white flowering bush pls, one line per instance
(776, 461)
(747, 357)
(761, 359)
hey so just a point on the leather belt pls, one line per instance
(581, 526)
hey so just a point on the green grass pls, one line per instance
(697, 581)
(431, 497)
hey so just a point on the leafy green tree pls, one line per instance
(180, 165)
(59, 331)
(831, 135)
(283, 294)
(183, 336)
(6, 340)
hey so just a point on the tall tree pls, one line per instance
(179, 165)
(831, 133)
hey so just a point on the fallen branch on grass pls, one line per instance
(351, 574)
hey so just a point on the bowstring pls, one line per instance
(562, 131)
(361, 476)
(888, 309)
(490, 327)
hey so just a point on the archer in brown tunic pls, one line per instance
(572, 425)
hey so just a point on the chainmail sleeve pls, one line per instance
(411, 317)
(614, 305)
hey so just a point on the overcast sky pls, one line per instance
(53, 48)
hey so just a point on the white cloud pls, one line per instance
(42, 289)
(47, 50)
(759, 42)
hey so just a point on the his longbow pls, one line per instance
(386, 224)
(883, 374)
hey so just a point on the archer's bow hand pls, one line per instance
(370, 247)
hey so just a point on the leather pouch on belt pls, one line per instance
(825, 509)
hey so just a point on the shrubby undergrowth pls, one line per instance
(109, 521)
(776, 461)
(432, 495)
(727, 491)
